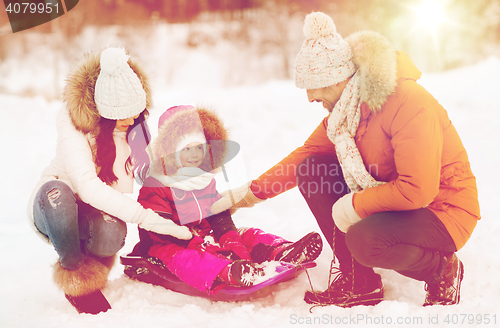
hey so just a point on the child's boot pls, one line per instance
(306, 249)
(240, 273)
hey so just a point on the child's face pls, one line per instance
(192, 155)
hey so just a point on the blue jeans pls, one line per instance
(74, 227)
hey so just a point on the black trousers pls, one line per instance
(412, 243)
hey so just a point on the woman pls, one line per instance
(78, 205)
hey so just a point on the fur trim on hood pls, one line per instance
(375, 57)
(184, 122)
(78, 93)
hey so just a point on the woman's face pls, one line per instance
(192, 155)
(123, 125)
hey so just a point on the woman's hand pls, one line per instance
(155, 223)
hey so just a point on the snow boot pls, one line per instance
(446, 291)
(306, 249)
(93, 303)
(240, 273)
(83, 285)
(348, 290)
(245, 272)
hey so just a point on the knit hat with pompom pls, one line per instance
(118, 90)
(325, 58)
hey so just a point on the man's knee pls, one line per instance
(362, 243)
(318, 165)
(321, 174)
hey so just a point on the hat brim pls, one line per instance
(232, 148)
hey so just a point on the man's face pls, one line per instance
(328, 96)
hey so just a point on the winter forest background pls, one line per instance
(240, 37)
(238, 57)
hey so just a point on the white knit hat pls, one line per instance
(118, 90)
(325, 58)
(187, 139)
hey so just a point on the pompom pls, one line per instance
(112, 59)
(318, 24)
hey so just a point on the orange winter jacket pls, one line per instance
(412, 145)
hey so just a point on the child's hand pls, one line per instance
(231, 240)
(155, 223)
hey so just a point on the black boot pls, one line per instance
(306, 249)
(446, 291)
(348, 289)
(245, 272)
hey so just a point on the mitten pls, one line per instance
(344, 214)
(231, 240)
(195, 243)
(235, 199)
(155, 223)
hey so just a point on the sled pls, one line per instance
(151, 270)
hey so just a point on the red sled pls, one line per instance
(152, 271)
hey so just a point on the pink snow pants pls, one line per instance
(199, 268)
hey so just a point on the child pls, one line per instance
(191, 144)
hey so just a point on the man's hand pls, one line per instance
(344, 214)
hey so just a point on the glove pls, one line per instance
(155, 223)
(235, 199)
(344, 214)
(231, 240)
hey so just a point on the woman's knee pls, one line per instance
(106, 237)
(54, 193)
(55, 208)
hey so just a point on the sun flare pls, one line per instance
(430, 15)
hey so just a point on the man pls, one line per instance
(385, 174)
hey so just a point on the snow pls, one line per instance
(268, 120)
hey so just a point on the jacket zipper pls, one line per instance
(199, 207)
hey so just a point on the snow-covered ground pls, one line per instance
(268, 120)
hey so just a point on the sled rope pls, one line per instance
(334, 270)
(332, 263)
